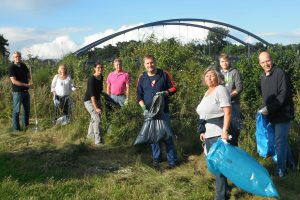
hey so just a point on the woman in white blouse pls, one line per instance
(61, 88)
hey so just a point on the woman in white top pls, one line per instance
(215, 111)
(61, 88)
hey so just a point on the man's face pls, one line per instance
(224, 63)
(149, 65)
(265, 62)
(17, 58)
(118, 66)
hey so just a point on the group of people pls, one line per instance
(219, 109)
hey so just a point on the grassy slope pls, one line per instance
(43, 165)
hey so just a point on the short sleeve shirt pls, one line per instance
(211, 106)
(118, 81)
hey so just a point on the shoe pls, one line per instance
(156, 164)
(99, 142)
(279, 173)
(172, 166)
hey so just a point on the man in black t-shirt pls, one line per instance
(19, 76)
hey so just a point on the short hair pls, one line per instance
(118, 60)
(216, 72)
(224, 56)
(17, 53)
(266, 52)
(148, 56)
(62, 66)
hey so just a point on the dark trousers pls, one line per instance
(61, 106)
(221, 180)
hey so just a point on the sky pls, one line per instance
(50, 29)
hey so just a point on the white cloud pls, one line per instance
(51, 50)
(185, 34)
(30, 38)
(56, 43)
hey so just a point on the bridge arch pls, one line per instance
(173, 22)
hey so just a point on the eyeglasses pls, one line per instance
(17, 56)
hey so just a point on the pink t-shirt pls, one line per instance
(117, 81)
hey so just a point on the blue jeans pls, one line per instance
(221, 180)
(284, 154)
(18, 99)
(170, 147)
(119, 99)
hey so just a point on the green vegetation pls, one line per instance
(58, 162)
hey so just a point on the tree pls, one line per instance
(3, 47)
(215, 39)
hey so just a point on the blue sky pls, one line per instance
(52, 28)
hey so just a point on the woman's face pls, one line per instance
(63, 72)
(98, 70)
(211, 79)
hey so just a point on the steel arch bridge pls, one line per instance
(182, 22)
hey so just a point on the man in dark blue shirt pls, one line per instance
(151, 82)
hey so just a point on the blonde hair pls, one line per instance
(224, 56)
(61, 67)
(216, 71)
(17, 53)
(118, 60)
(149, 56)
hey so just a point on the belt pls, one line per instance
(23, 91)
(118, 94)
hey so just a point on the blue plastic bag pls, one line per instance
(265, 137)
(240, 168)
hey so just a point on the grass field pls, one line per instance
(46, 165)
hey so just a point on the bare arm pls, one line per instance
(141, 102)
(226, 123)
(18, 83)
(127, 90)
(108, 88)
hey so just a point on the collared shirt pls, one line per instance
(118, 81)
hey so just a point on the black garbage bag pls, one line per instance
(155, 127)
(109, 102)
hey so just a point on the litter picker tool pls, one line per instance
(34, 104)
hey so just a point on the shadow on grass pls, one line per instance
(70, 161)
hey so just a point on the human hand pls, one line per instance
(163, 93)
(126, 101)
(145, 112)
(225, 135)
(98, 110)
(30, 85)
(202, 137)
(263, 111)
